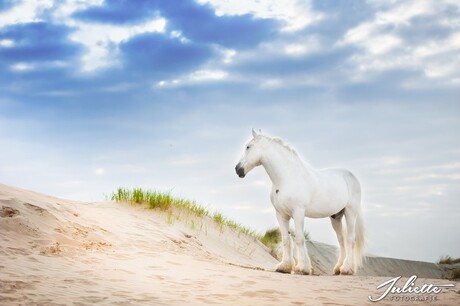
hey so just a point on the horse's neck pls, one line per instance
(282, 166)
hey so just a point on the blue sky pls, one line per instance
(162, 94)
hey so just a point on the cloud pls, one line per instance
(338, 17)
(200, 23)
(37, 41)
(23, 11)
(195, 21)
(158, 54)
(411, 35)
(21, 67)
(287, 65)
(101, 41)
(196, 77)
(117, 12)
(6, 4)
(293, 15)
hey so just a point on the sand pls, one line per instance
(61, 252)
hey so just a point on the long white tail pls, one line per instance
(358, 248)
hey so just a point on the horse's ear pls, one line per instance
(254, 133)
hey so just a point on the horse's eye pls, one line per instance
(247, 148)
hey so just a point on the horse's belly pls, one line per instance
(317, 212)
(327, 201)
(325, 209)
(319, 199)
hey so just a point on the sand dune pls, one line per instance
(60, 252)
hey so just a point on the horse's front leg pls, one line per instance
(285, 266)
(303, 263)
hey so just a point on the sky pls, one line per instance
(96, 95)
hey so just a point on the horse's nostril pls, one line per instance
(240, 171)
(237, 167)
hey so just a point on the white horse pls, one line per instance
(300, 191)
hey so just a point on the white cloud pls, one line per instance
(228, 55)
(301, 47)
(433, 47)
(179, 36)
(98, 39)
(208, 75)
(295, 14)
(20, 67)
(63, 9)
(26, 11)
(6, 43)
(271, 83)
(383, 49)
(383, 44)
(295, 49)
(404, 11)
(370, 37)
(195, 77)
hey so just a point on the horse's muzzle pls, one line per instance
(240, 170)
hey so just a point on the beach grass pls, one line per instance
(271, 237)
(164, 201)
(448, 260)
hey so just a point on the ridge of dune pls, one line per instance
(56, 251)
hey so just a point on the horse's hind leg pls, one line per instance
(336, 221)
(350, 217)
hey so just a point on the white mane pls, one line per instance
(289, 148)
(283, 144)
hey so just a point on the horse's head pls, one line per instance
(252, 156)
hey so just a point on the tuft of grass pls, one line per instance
(447, 260)
(121, 195)
(153, 199)
(138, 196)
(222, 221)
(271, 237)
(166, 202)
(219, 219)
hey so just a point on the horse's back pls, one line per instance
(340, 173)
(342, 182)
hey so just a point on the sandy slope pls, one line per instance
(56, 251)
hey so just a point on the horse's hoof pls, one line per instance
(283, 271)
(284, 267)
(345, 270)
(303, 272)
(336, 270)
